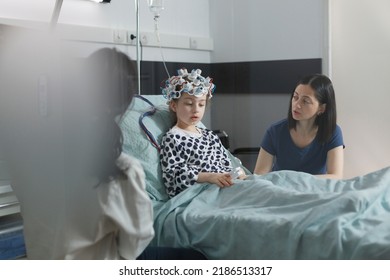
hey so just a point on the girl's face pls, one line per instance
(305, 105)
(189, 110)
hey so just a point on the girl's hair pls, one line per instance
(114, 78)
(324, 92)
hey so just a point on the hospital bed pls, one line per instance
(281, 215)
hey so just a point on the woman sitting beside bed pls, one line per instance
(309, 140)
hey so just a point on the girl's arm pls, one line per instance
(222, 156)
(334, 164)
(264, 162)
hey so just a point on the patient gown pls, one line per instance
(184, 154)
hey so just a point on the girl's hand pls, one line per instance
(220, 179)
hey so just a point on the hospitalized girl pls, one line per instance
(191, 154)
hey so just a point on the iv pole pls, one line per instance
(56, 13)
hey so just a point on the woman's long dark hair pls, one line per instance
(114, 76)
(324, 92)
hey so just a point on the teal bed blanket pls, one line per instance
(281, 215)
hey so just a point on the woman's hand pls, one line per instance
(264, 162)
(220, 179)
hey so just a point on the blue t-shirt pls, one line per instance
(310, 159)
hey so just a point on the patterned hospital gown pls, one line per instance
(184, 154)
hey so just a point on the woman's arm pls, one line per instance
(264, 162)
(334, 164)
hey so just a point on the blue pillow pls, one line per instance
(136, 143)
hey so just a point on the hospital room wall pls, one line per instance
(253, 31)
(360, 59)
(93, 23)
(354, 54)
(242, 31)
(120, 15)
(260, 30)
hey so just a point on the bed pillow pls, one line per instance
(136, 144)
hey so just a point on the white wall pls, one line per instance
(120, 14)
(242, 30)
(360, 44)
(184, 18)
(261, 30)
(258, 30)
(39, 10)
